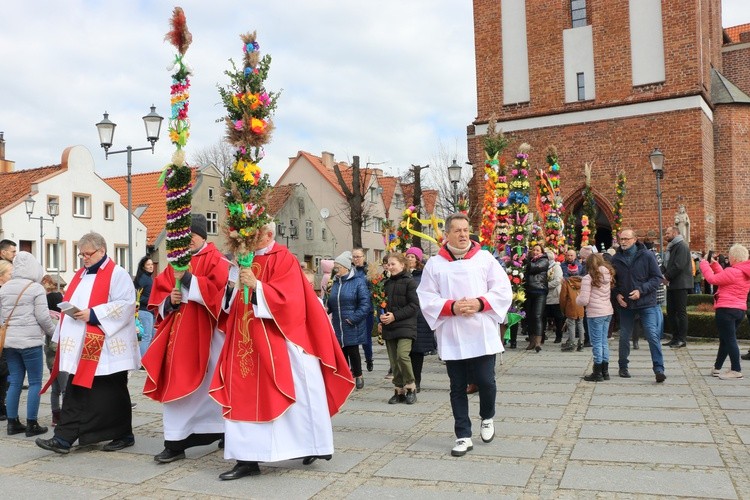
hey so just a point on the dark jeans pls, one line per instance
(535, 304)
(677, 314)
(351, 353)
(553, 311)
(483, 374)
(367, 346)
(417, 361)
(727, 322)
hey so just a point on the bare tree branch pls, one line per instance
(221, 155)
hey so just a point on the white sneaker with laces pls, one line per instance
(715, 372)
(462, 446)
(731, 374)
(487, 430)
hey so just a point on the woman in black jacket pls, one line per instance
(425, 343)
(536, 295)
(398, 325)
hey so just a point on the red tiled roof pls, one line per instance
(328, 173)
(389, 188)
(734, 32)
(146, 191)
(15, 186)
(278, 197)
(429, 199)
(408, 190)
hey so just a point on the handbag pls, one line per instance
(4, 326)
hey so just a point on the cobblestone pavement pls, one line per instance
(557, 437)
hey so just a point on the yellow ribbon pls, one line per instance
(432, 221)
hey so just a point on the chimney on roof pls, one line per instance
(327, 159)
(5, 165)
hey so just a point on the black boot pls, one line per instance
(605, 370)
(34, 429)
(15, 426)
(596, 375)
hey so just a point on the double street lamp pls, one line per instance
(106, 129)
(293, 231)
(454, 175)
(53, 210)
(657, 165)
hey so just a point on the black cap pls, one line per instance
(198, 225)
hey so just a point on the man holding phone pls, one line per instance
(636, 280)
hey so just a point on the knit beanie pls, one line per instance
(344, 260)
(416, 252)
(198, 225)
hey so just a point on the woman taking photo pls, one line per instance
(349, 305)
(399, 327)
(730, 304)
(29, 323)
(143, 282)
(536, 296)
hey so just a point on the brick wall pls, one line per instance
(736, 67)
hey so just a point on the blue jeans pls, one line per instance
(727, 322)
(20, 363)
(367, 346)
(651, 319)
(147, 320)
(598, 328)
(482, 371)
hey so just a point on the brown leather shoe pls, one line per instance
(472, 388)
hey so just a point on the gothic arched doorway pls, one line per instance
(604, 217)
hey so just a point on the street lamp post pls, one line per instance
(106, 129)
(53, 210)
(293, 231)
(657, 165)
(454, 175)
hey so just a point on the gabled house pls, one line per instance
(149, 206)
(85, 203)
(300, 225)
(317, 175)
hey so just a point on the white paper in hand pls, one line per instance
(68, 308)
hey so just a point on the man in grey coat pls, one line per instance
(678, 276)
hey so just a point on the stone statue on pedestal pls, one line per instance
(682, 222)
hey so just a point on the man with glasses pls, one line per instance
(98, 345)
(637, 278)
(360, 265)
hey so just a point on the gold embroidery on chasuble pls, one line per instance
(68, 345)
(173, 336)
(92, 347)
(245, 343)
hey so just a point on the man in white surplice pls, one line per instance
(464, 296)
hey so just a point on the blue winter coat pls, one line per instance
(642, 274)
(349, 303)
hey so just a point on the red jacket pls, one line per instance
(733, 282)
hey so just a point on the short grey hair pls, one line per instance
(271, 226)
(739, 253)
(455, 216)
(93, 239)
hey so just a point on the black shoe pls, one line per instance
(168, 456)
(15, 426)
(624, 373)
(557, 340)
(411, 397)
(678, 345)
(745, 356)
(396, 398)
(311, 459)
(360, 382)
(52, 444)
(34, 429)
(242, 469)
(369, 365)
(513, 345)
(4, 412)
(660, 377)
(670, 343)
(579, 348)
(419, 389)
(221, 443)
(587, 344)
(119, 444)
(635, 344)
(605, 370)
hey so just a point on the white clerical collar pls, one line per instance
(205, 244)
(264, 251)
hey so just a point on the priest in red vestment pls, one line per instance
(281, 374)
(183, 354)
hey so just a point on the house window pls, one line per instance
(365, 223)
(581, 87)
(376, 224)
(77, 261)
(212, 222)
(109, 211)
(301, 206)
(578, 13)
(121, 255)
(316, 262)
(309, 229)
(55, 254)
(210, 194)
(81, 205)
(324, 234)
(373, 194)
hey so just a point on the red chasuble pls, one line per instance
(177, 359)
(253, 380)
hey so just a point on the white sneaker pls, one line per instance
(462, 446)
(731, 374)
(487, 430)
(715, 372)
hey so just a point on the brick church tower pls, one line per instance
(607, 83)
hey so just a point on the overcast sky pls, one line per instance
(388, 80)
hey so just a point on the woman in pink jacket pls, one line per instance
(730, 304)
(595, 295)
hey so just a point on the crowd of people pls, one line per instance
(231, 366)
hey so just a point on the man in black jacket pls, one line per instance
(678, 276)
(637, 277)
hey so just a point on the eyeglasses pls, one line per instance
(358, 256)
(627, 239)
(87, 255)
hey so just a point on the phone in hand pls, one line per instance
(710, 256)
